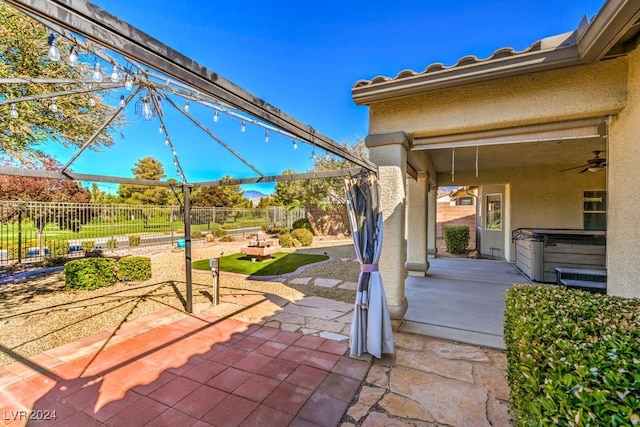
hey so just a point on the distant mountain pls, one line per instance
(254, 196)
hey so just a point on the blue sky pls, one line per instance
(304, 57)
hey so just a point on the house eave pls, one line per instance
(476, 73)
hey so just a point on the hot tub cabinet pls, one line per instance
(540, 251)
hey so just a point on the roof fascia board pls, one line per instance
(99, 26)
(611, 23)
(484, 71)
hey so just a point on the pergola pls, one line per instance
(95, 30)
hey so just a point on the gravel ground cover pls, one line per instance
(38, 313)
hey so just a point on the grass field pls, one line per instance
(279, 263)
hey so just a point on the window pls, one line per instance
(594, 210)
(464, 201)
(493, 212)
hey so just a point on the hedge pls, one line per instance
(134, 268)
(285, 240)
(573, 357)
(456, 238)
(302, 235)
(90, 273)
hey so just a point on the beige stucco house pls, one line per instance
(512, 125)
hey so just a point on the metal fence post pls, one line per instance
(19, 233)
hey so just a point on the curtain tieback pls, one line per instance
(368, 268)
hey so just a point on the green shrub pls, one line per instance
(134, 240)
(573, 357)
(219, 232)
(134, 268)
(112, 243)
(196, 234)
(456, 237)
(302, 235)
(88, 245)
(281, 230)
(90, 273)
(286, 241)
(57, 247)
(301, 223)
(227, 238)
(54, 261)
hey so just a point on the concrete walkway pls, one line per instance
(461, 300)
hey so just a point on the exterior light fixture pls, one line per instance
(92, 101)
(122, 101)
(160, 130)
(97, 74)
(186, 106)
(215, 116)
(53, 53)
(144, 109)
(295, 145)
(115, 76)
(73, 57)
(53, 107)
(128, 82)
(13, 111)
(166, 141)
(243, 126)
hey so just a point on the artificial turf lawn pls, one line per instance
(279, 263)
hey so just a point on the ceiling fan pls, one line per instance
(596, 164)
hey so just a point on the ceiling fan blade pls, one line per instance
(573, 168)
(584, 170)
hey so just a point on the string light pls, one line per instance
(128, 82)
(186, 106)
(160, 129)
(53, 53)
(122, 101)
(73, 57)
(295, 145)
(243, 126)
(215, 116)
(13, 111)
(266, 136)
(92, 102)
(115, 76)
(97, 74)
(53, 107)
(166, 141)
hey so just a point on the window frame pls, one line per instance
(490, 214)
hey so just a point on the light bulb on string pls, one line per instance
(266, 136)
(13, 111)
(215, 116)
(160, 129)
(115, 76)
(53, 107)
(92, 101)
(128, 82)
(175, 162)
(122, 101)
(295, 145)
(147, 113)
(243, 126)
(73, 57)
(166, 141)
(97, 74)
(53, 53)
(186, 106)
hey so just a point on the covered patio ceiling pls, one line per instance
(554, 146)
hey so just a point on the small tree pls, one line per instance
(456, 237)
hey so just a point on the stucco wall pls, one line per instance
(623, 253)
(577, 92)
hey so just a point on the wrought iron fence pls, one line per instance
(30, 231)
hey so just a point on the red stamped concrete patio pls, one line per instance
(196, 371)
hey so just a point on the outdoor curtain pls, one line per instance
(371, 325)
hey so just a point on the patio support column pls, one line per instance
(389, 152)
(432, 205)
(417, 206)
